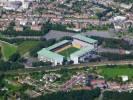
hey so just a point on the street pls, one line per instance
(49, 68)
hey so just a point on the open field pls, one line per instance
(68, 51)
(111, 73)
(26, 46)
(7, 49)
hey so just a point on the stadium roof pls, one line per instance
(84, 38)
(57, 44)
(50, 54)
(83, 51)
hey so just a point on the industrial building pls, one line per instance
(85, 49)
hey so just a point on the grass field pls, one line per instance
(7, 49)
(26, 46)
(116, 72)
(68, 51)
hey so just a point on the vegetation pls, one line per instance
(97, 27)
(8, 88)
(124, 1)
(114, 72)
(68, 51)
(6, 65)
(42, 64)
(7, 49)
(26, 46)
(0, 53)
(77, 5)
(113, 43)
(43, 44)
(72, 95)
(130, 30)
(66, 75)
(28, 32)
(15, 57)
(112, 95)
(115, 56)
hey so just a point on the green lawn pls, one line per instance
(7, 49)
(68, 51)
(112, 73)
(26, 46)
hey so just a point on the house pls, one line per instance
(36, 27)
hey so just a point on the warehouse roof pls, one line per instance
(84, 38)
(58, 44)
(83, 51)
(49, 54)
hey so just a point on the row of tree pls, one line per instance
(14, 62)
(111, 95)
(115, 56)
(72, 95)
(43, 44)
(28, 32)
(113, 43)
(100, 27)
(124, 1)
(40, 63)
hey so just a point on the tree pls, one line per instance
(4, 66)
(43, 44)
(112, 95)
(40, 63)
(14, 57)
(16, 65)
(72, 95)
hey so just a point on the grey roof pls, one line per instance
(84, 38)
(50, 54)
(58, 44)
(83, 51)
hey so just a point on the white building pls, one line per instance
(83, 53)
(46, 55)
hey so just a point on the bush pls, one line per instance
(72, 95)
(14, 57)
(40, 63)
(113, 56)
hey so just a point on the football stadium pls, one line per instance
(77, 50)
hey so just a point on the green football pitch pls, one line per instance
(68, 51)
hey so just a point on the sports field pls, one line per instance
(112, 73)
(26, 46)
(7, 49)
(68, 51)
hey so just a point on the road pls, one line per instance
(24, 37)
(28, 70)
(111, 50)
(59, 34)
